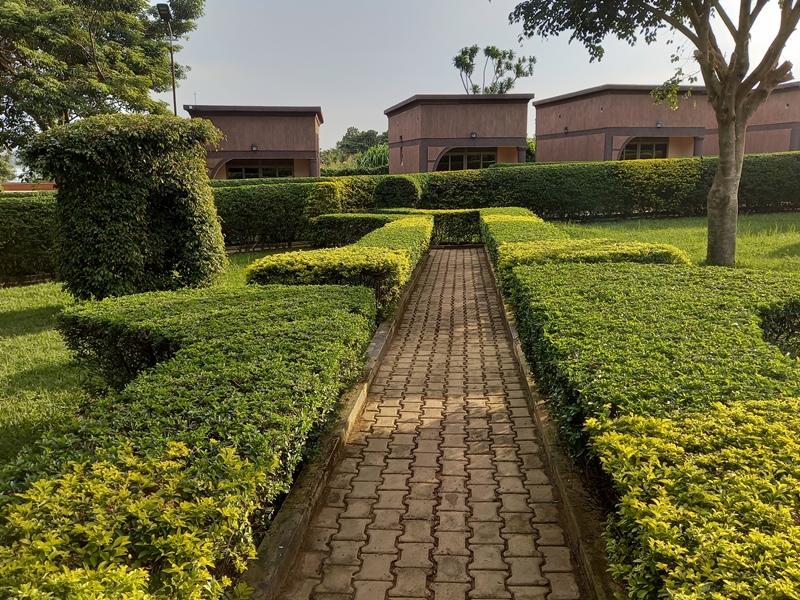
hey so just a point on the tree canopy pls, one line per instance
(64, 59)
(6, 170)
(736, 82)
(506, 68)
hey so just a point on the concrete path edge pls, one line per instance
(267, 573)
(583, 517)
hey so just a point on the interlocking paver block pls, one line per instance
(489, 584)
(371, 590)
(376, 567)
(526, 571)
(336, 579)
(415, 556)
(451, 569)
(410, 583)
(565, 587)
(487, 558)
(557, 559)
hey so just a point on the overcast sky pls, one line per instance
(356, 58)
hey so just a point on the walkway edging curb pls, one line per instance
(268, 572)
(585, 538)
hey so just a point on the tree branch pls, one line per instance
(676, 23)
(726, 19)
(789, 19)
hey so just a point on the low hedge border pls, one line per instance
(590, 332)
(449, 226)
(347, 228)
(156, 490)
(514, 225)
(383, 260)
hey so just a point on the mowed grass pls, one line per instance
(763, 242)
(40, 385)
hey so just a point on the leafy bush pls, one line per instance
(583, 251)
(382, 260)
(344, 229)
(356, 170)
(664, 374)
(588, 190)
(134, 209)
(27, 224)
(356, 191)
(505, 226)
(709, 501)
(449, 226)
(158, 490)
(262, 215)
(397, 191)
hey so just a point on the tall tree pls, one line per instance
(64, 59)
(355, 141)
(736, 84)
(506, 68)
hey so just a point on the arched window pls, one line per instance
(639, 148)
(459, 159)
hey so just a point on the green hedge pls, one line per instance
(265, 215)
(134, 211)
(589, 190)
(449, 226)
(347, 228)
(158, 489)
(638, 361)
(27, 226)
(397, 191)
(504, 226)
(382, 260)
(356, 191)
(598, 250)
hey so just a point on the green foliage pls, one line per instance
(159, 490)
(27, 225)
(505, 69)
(134, 209)
(344, 229)
(510, 255)
(356, 191)
(374, 157)
(590, 331)
(6, 170)
(348, 171)
(530, 151)
(355, 141)
(397, 191)
(77, 59)
(708, 501)
(590, 190)
(504, 226)
(449, 226)
(382, 260)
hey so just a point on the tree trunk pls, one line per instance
(723, 198)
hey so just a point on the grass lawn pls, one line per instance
(764, 241)
(39, 383)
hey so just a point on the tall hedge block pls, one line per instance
(134, 211)
(27, 222)
(397, 191)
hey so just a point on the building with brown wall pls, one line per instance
(454, 132)
(263, 141)
(614, 122)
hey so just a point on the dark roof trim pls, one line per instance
(254, 111)
(612, 88)
(458, 99)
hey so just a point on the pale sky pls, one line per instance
(356, 58)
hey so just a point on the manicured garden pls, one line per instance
(207, 385)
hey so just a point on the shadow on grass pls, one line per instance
(52, 377)
(791, 250)
(28, 321)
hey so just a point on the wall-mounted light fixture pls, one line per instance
(659, 124)
(254, 147)
(566, 130)
(473, 134)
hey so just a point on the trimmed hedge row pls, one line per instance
(346, 228)
(590, 190)
(263, 215)
(638, 361)
(27, 226)
(503, 226)
(356, 191)
(382, 260)
(449, 226)
(159, 488)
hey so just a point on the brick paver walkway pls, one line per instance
(442, 493)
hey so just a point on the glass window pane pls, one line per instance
(268, 172)
(251, 172)
(457, 163)
(234, 173)
(629, 153)
(444, 164)
(661, 151)
(285, 171)
(476, 164)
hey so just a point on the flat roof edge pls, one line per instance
(615, 87)
(214, 109)
(458, 98)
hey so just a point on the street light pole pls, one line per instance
(166, 15)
